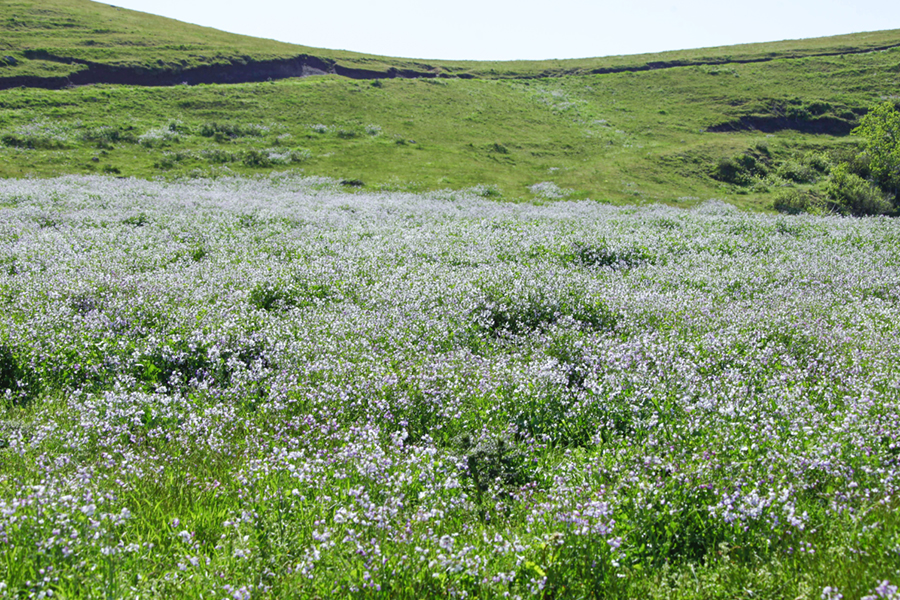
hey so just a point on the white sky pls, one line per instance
(527, 29)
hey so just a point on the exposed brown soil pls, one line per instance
(772, 124)
(245, 71)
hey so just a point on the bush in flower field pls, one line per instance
(273, 387)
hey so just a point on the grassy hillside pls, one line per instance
(642, 135)
(54, 39)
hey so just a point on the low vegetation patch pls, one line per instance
(271, 387)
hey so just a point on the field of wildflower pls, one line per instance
(273, 388)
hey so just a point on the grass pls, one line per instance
(628, 137)
(275, 386)
(640, 136)
(44, 38)
(271, 388)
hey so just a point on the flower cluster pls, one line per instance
(262, 387)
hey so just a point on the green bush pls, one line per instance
(817, 161)
(227, 131)
(256, 158)
(742, 169)
(793, 170)
(854, 195)
(17, 382)
(880, 130)
(32, 142)
(105, 136)
(794, 201)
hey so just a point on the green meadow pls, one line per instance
(620, 327)
(627, 137)
(638, 136)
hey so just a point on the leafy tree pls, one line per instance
(880, 130)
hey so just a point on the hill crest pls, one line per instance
(59, 43)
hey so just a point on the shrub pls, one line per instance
(159, 136)
(817, 161)
(104, 136)
(256, 158)
(794, 201)
(741, 169)
(854, 195)
(793, 170)
(17, 382)
(880, 130)
(226, 131)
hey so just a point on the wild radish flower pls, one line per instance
(830, 593)
(398, 382)
(549, 190)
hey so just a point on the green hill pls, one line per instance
(88, 87)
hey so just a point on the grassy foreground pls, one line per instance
(338, 336)
(269, 388)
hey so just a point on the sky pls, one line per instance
(527, 29)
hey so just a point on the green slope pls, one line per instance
(51, 39)
(641, 135)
